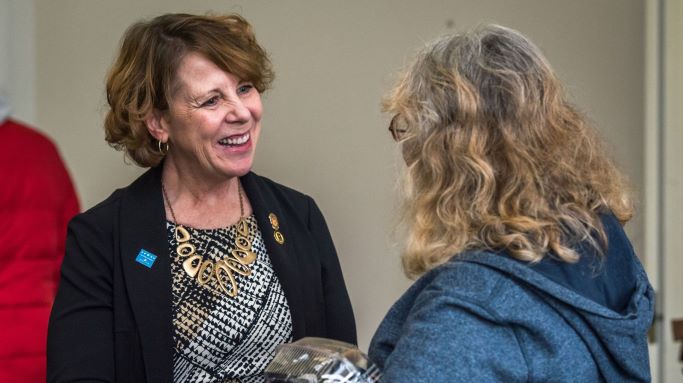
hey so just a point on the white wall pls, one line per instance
(664, 177)
(672, 184)
(323, 130)
(17, 60)
(4, 45)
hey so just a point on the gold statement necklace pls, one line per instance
(224, 270)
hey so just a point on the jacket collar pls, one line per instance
(149, 288)
(282, 255)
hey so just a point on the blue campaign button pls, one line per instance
(145, 258)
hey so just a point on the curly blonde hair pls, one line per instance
(496, 156)
(143, 76)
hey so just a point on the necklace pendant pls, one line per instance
(185, 249)
(181, 234)
(192, 265)
(245, 257)
(243, 252)
(223, 272)
(205, 272)
(243, 227)
(237, 266)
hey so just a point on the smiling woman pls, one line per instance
(212, 124)
(199, 268)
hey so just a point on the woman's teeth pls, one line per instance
(235, 140)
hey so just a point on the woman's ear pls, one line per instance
(157, 125)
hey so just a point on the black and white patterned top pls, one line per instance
(219, 338)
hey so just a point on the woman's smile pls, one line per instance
(236, 141)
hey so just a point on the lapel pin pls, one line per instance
(279, 238)
(273, 221)
(145, 258)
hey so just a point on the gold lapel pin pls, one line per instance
(279, 238)
(273, 221)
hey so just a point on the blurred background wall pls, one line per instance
(323, 131)
(17, 57)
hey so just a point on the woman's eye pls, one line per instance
(211, 102)
(244, 88)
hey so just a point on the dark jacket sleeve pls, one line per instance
(340, 322)
(80, 333)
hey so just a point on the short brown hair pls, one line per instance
(143, 76)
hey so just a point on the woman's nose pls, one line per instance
(237, 112)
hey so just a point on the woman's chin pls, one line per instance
(237, 169)
(236, 161)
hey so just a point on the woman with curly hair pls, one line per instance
(513, 214)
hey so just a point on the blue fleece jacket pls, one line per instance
(485, 317)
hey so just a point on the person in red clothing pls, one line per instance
(37, 199)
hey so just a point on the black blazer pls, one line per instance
(112, 317)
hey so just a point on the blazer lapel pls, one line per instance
(149, 286)
(281, 254)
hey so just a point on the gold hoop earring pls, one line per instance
(162, 147)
